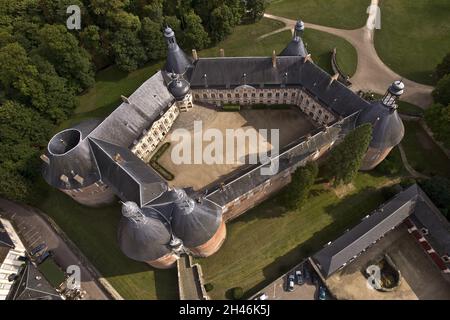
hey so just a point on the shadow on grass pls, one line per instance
(343, 219)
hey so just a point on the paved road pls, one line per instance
(408, 167)
(33, 230)
(371, 74)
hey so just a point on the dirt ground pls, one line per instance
(420, 278)
(292, 124)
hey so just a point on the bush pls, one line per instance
(209, 287)
(231, 107)
(237, 293)
(407, 182)
(438, 189)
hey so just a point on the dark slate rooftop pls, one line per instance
(127, 122)
(228, 72)
(129, 177)
(32, 285)
(5, 239)
(388, 129)
(411, 202)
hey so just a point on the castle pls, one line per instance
(96, 161)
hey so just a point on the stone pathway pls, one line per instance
(371, 74)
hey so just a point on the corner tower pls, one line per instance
(296, 46)
(177, 61)
(388, 129)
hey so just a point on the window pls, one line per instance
(229, 95)
(213, 95)
(285, 94)
(197, 96)
(261, 95)
(269, 94)
(245, 95)
(205, 96)
(237, 95)
(253, 95)
(221, 95)
(277, 94)
(293, 94)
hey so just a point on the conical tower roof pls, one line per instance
(296, 46)
(177, 61)
(194, 223)
(142, 234)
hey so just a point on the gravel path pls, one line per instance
(371, 74)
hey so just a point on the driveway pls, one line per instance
(371, 74)
(33, 230)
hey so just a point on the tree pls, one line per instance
(152, 39)
(298, 190)
(438, 189)
(255, 9)
(345, 159)
(195, 35)
(441, 92)
(443, 68)
(438, 119)
(71, 61)
(237, 293)
(222, 23)
(128, 50)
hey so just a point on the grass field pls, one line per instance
(414, 36)
(268, 240)
(422, 153)
(343, 14)
(94, 231)
(320, 44)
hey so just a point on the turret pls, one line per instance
(178, 87)
(387, 126)
(177, 61)
(198, 225)
(296, 46)
(145, 235)
(70, 166)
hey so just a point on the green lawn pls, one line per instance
(414, 36)
(422, 153)
(51, 271)
(320, 44)
(268, 240)
(343, 14)
(94, 231)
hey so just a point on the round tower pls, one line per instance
(387, 126)
(177, 61)
(198, 225)
(296, 46)
(70, 166)
(180, 89)
(145, 236)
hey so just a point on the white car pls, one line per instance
(262, 296)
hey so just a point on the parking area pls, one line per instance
(281, 289)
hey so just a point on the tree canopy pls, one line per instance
(345, 159)
(297, 191)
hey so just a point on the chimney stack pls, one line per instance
(307, 58)
(335, 77)
(274, 59)
(222, 52)
(194, 54)
(125, 99)
(45, 159)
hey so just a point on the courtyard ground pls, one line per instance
(420, 278)
(291, 123)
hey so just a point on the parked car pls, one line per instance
(300, 278)
(44, 256)
(37, 249)
(290, 283)
(322, 293)
(262, 296)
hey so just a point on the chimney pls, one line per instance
(64, 178)
(125, 99)
(334, 78)
(79, 179)
(45, 159)
(194, 54)
(222, 52)
(307, 58)
(118, 158)
(274, 59)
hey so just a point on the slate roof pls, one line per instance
(411, 202)
(387, 127)
(228, 72)
(129, 177)
(5, 239)
(127, 122)
(32, 285)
